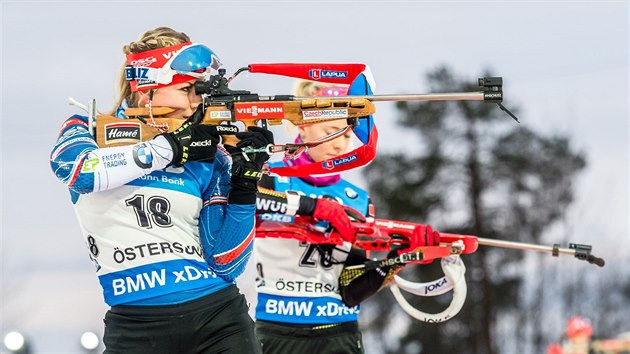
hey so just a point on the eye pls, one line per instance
(186, 88)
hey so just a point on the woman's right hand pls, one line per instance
(338, 216)
(421, 236)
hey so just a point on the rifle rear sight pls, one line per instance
(217, 86)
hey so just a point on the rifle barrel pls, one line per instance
(459, 96)
(523, 246)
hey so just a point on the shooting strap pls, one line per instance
(454, 270)
(163, 128)
(293, 151)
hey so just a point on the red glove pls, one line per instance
(554, 348)
(338, 216)
(422, 235)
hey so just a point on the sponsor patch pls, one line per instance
(391, 224)
(116, 159)
(227, 129)
(220, 114)
(201, 143)
(325, 114)
(122, 132)
(258, 110)
(331, 164)
(90, 164)
(317, 74)
(132, 73)
(143, 61)
(276, 217)
(142, 156)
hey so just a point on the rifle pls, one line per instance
(385, 235)
(611, 345)
(223, 105)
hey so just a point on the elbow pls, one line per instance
(80, 189)
(229, 271)
(228, 276)
(75, 180)
(81, 184)
(348, 299)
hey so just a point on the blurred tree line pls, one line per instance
(472, 170)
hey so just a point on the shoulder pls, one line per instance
(75, 131)
(77, 119)
(345, 183)
(350, 190)
(73, 122)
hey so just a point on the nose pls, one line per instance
(195, 100)
(338, 144)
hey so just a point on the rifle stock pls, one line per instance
(375, 235)
(381, 235)
(112, 131)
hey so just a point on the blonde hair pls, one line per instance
(152, 39)
(302, 88)
(308, 88)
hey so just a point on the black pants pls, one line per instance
(279, 338)
(217, 323)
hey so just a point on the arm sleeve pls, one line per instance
(268, 200)
(227, 230)
(356, 284)
(79, 163)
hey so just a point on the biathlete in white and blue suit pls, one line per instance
(169, 222)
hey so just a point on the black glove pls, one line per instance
(246, 167)
(193, 141)
(256, 137)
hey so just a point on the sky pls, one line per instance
(564, 65)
